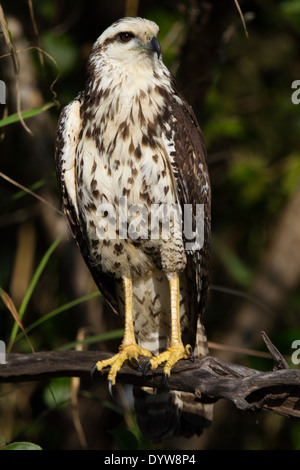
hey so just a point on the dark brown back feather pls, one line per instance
(191, 175)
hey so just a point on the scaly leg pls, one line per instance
(176, 350)
(129, 348)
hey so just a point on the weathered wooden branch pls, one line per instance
(210, 379)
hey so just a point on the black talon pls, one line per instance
(93, 369)
(136, 363)
(109, 386)
(146, 368)
(165, 381)
(192, 357)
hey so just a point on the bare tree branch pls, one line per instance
(210, 379)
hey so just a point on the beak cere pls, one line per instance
(154, 46)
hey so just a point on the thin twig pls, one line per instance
(242, 17)
(42, 51)
(32, 193)
(35, 28)
(16, 66)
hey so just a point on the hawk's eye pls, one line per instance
(125, 37)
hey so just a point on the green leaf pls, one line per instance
(25, 115)
(22, 193)
(22, 446)
(94, 339)
(31, 288)
(57, 311)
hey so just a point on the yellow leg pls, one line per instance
(176, 350)
(129, 348)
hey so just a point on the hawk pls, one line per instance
(130, 144)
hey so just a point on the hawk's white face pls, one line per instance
(129, 41)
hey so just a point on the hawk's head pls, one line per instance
(128, 41)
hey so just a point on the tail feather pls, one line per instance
(165, 414)
(156, 414)
(161, 415)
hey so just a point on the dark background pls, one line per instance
(240, 89)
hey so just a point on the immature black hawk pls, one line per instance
(130, 144)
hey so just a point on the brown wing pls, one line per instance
(67, 136)
(193, 187)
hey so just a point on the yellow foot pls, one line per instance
(130, 352)
(172, 355)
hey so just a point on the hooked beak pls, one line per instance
(154, 46)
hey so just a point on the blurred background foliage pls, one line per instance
(251, 128)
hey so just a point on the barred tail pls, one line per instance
(201, 348)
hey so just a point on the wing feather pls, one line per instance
(189, 163)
